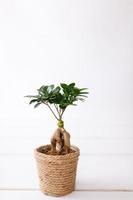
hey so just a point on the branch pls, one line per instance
(51, 110)
(56, 107)
(62, 112)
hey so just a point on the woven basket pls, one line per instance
(57, 173)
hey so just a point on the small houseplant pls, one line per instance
(57, 162)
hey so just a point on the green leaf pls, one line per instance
(74, 104)
(43, 90)
(71, 85)
(32, 101)
(31, 96)
(62, 106)
(36, 105)
(81, 99)
(50, 88)
(63, 85)
(56, 90)
(80, 95)
(83, 89)
(83, 92)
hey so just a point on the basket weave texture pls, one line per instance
(57, 173)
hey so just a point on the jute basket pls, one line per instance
(57, 173)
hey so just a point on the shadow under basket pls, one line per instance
(57, 173)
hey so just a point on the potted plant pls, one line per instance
(57, 162)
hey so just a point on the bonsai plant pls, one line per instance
(57, 162)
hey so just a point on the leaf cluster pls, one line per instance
(61, 96)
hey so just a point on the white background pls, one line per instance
(87, 42)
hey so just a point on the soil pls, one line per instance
(47, 150)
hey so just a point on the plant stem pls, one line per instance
(56, 107)
(62, 112)
(51, 110)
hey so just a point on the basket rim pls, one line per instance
(58, 157)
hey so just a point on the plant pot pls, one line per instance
(57, 173)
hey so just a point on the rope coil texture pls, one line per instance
(57, 173)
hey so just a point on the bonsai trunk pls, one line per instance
(60, 141)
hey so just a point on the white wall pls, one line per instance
(88, 42)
